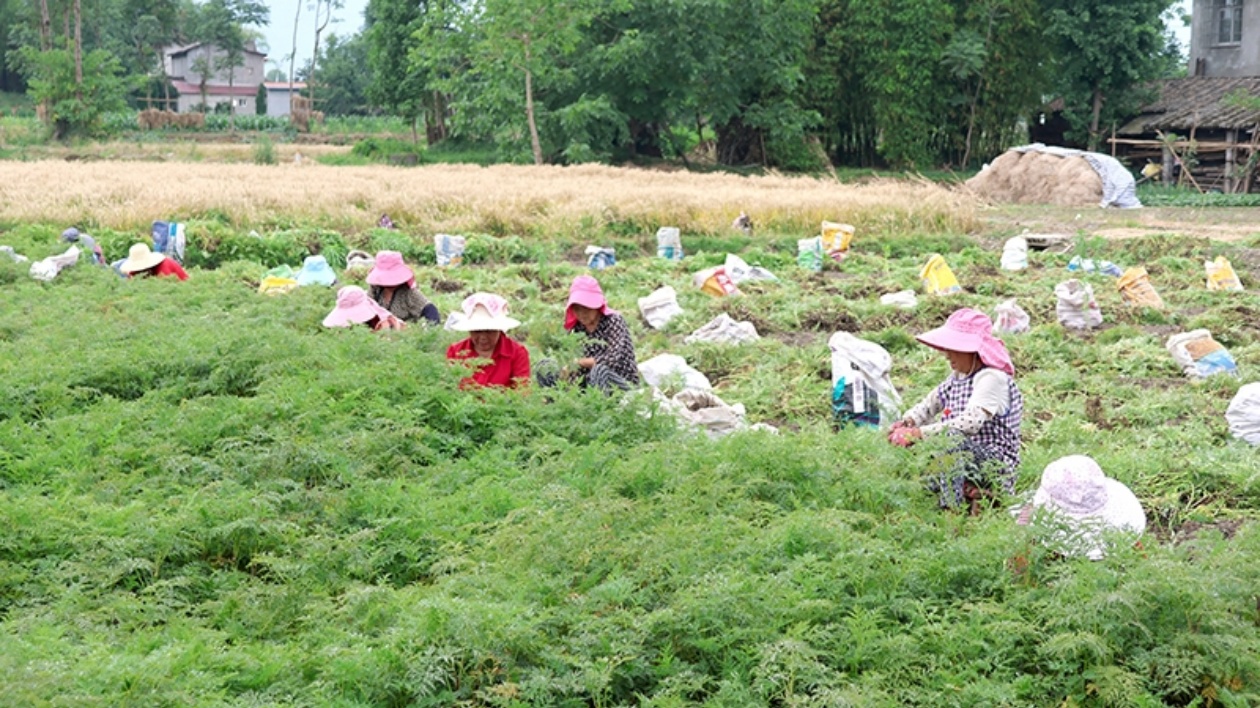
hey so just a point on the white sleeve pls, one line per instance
(991, 391)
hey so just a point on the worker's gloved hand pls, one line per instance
(904, 435)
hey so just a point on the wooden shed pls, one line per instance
(1198, 132)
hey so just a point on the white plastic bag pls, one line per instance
(1010, 318)
(901, 298)
(659, 307)
(48, 268)
(1076, 306)
(665, 369)
(14, 255)
(450, 249)
(809, 253)
(669, 243)
(1015, 254)
(724, 329)
(739, 271)
(600, 257)
(857, 361)
(1243, 414)
(1200, 356)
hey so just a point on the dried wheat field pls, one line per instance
(504, 198)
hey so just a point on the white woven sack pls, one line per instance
(1243, 414)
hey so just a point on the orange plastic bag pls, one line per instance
(1135, 286)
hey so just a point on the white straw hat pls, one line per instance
(1089, 504)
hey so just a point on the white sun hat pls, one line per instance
(1088, 507)
(484, 312)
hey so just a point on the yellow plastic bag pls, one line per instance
(273, 285)
(938, 279)
(1221, 275)
(836, 239)
(1135, 286)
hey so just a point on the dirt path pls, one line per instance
(1223, 224)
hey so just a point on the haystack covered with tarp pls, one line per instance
(1042, 174)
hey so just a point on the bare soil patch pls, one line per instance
(1221, 224)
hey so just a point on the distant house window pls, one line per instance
(240, 103)
(1229, 14)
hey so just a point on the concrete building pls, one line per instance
(1225, 38)
(278, 96)
(184, 66)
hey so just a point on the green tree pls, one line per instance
(260, 100)
(75, 104)
(516, 51)
(396, 83)
(343, 80)
(1105, 53)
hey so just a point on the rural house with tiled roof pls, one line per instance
(1218, 132)
(183, 63)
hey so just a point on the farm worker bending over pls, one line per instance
(979, 403)
(499, 359)
(1080, 510)
(394, 288)
(608, 352)
(142, 261)
(355, 307)
(73, 235)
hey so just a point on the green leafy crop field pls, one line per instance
(208, 499)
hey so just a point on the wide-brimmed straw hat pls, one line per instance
(315, 271)
(390, 271)
(970, 331)
(353, 307)
(485, 312)
(140, 257)
(1092, 504)
(585, 291)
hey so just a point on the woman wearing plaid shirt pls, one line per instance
(979, 402)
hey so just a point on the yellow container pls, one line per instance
(937, 278)
(1221, 275)
(1135, 286)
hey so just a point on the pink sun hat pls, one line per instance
(585, 291)
(390, 271)
(353, 307)
(970, 331)
(484, 312)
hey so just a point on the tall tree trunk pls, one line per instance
(1095, 118)
(293, 55)
(529, 109)
(78, 48)
(231, 100)
(166, 84)
(310, 80)
(45, 26)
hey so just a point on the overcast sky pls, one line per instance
(279, 34)
(349, 20)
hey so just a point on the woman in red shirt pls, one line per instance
(142, 261)
(500, 360)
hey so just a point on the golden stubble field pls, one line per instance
(502, 198)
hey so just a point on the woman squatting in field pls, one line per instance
(978, 402)
(499, 359)
(142, 261)
(607, 360)
(355, 307)
(394, 288)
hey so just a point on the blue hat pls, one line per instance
(316, 271)
(71, 234)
